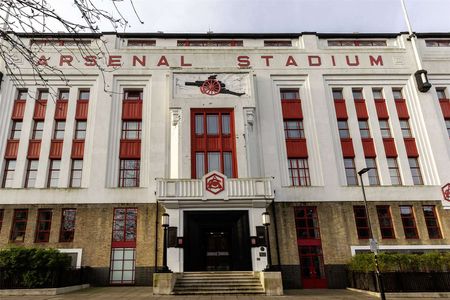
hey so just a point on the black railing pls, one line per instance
(42, 278)
(401, 281)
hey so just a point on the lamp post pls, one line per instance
(372, 241)
(266, 223)
(165, 225)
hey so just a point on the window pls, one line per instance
(76, 173)
(415, 170)
(434, 230)
(397, 93)
(212, 124)
(337, 94)
(409, 222)
(58, 134)
(8, 173)
(43, 95)
(373, 172)
(43, 226)
(385, 220)
(80, 130)
(362, 225)
(124, 226)
(377, 93)
(357, 94)
(293, 129)
(132, 95)
(131, 130)
(364, 129)
(447, 124)
(22, 95)
(32, 169)
(277, 43)
(441, 93)
(437, 43)
(384, 128)
(406, 129)
(209, 43)
(344, 132)
(299, 171)
(307, 223)
(83, 95)
(122, 269)
(67, 231)
(141, 43)
(53, 173)
(63, 95)
(38, 129)
(394, 171)
(350, 171)
(2, 212)
(357, 43)
(289, 94)
(16, 129)
(129, 173)
(19, 225)
(60, 42)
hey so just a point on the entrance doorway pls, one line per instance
(216, 241)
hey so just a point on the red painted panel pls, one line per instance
(389, 147)
(411, 148)
(341, 110)
(61, 109)
(40, 107)
(213, 143)
(34, 149)
(402, 110)
(382, 112)
(445, 107)
(18, 110)
(347, 148)
(132, 110)
(130, 148)
(309, 242)
(82, 110)
(361, 109)
(297, 148)
(77, 149)
(12, 147)
(199, 144)
(369, 147)
(56, 149)
(292, 109)
(227, 144)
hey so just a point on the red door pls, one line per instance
(213, 142)
(310, 248)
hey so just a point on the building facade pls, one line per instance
(215, 129)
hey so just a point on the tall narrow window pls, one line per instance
(385, 220)
(447, 124)
(293, 129)
(337, 94)
(63, 94)
(362, 225)
(129, 173)
(76, 173)
(83, 95)
(58, 134)
(415, 170)
(344, 132)
(394, 171)
(377, 93)
(357, 94)
(290, 94)
(22, 95)
(373, 172)
(409, 222)
(32, 169)
(53, 173)
(441, 93)
(38, 129)
(350, 171)
(67, 231)
(8, 173)
(43, 226)
(385, 129)
(406, 129)
(397, 93)
(19, 225)
(43, 95)
(80, 130)
(16, 129)
(131, 130)
(299, 171)
(364, 129)
(431, 220)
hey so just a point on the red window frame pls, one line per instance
(80, 131)
(2, 214)
(124, 221)
(296, 131)
(350, 171)
(128, 131)
(125, 170)
(204, 143)
(415, 170)
(16, 129)
(409, 222)
(299, 171)
(16, 231)
(394, 171)
(43, 225)
(385, 221)
(118, 265)
(76, 173)
(67, 230)
(432, 222)
(6, 172)
(31, 170)
(361, 222)
(307, 223)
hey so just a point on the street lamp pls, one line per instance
(165, 225)
(266, 223)
(372, 241)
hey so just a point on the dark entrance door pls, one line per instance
(216, 241)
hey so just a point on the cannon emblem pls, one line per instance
(212, 87)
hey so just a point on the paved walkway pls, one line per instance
(123, 293)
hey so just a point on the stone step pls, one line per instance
(222, 274)
(218, 284)
(219, 280)
(239, 292)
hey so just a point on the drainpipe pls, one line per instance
(276, 233)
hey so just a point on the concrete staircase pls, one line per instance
(203, 283)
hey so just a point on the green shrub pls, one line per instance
(32, 267)
(401, 262)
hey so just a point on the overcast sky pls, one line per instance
(277, 15)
